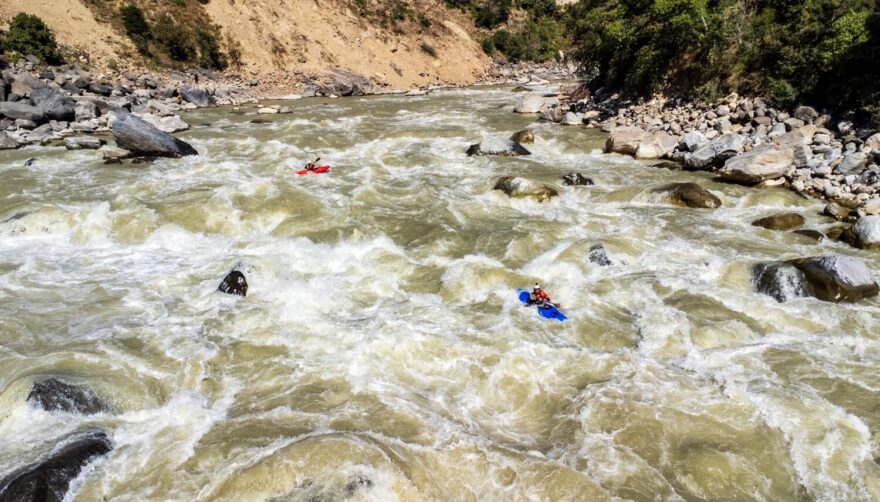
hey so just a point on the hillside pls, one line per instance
(278, 40)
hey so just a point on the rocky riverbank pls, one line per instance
(743, 140)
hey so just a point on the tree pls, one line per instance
(28, 34)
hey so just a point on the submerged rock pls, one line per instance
(526, 136)
(812, 234)
(576, 179)
(49, 480)
(52, 394)
(783, 221)
(832, 278)
(143, 139)
(599, 255)
(685, 195)
(234, 283)
(865, 234)
(524, 187)
(497, 146)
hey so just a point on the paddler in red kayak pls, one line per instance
(311, 166)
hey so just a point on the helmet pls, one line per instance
(537, 288)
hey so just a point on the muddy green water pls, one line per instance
(381, 353)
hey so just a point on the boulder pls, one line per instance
(693, 140)
(554, 115)
(85, 110)
(98, 88)
(872, 144)
(520, 88)
(113, 153)
(783, 221)
(865, 234)
(837, 211)
(626, 139)
(82, 143)
(235, 283)
(685, 195)
(197, 96)
(526, 136)
(143, 139)
(340, 83)
(524, 187)
(832, 278)
(534, 103)
(17, 111)
(24, 84)
(572, 118)
(764, 162)
(806, 114)
(55, 105)
(52, 394)
(812, 234)
(599, 256)
(716, 152)
(660, 144)
(7, 143)
(494, 145)
(576, 179)
(49, 479)
(853, 163)
(168, 124)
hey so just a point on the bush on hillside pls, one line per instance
(136, 27)
(28, 34)
(174, 39)
(210, 55)
(491, 13)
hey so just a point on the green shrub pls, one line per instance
(492, 13)
(28, 34)
(175, 41)
(424, 21)
(488, 45)
(136, 27)
(210, 55)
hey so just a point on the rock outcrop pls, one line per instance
(143, 139)
(765, 162)
(832, 278)
(235, 283)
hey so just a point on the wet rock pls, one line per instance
(82, 143)
(812, 234)
(52, 394)
(143, 139)
(526, 136)
(554, 115)
(55, 105)
(114, 153)
(837, 211)
(685, 195)
(783, 281)
(576, 179)
(535, 104)
(7, 143)
(197, 96)
(494, 145)
(572, 118)
(783, 221)
(658, 145)
(24, 111)
(49, 480)
(865, 234)
(358, 483)
(234, 283)
(834, 233)
(836, 278)
(626, 140)
(599, 255)
(672, 166)
(716, 151)
(763, 163)
(524, 187)
(520, 88)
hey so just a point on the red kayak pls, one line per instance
(317, 170)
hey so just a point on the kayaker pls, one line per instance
(311, 166)
(540, 297)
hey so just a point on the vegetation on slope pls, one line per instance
(820, 51)
(29, 35)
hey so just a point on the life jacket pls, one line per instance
(542, 296)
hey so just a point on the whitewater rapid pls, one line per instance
(381, 353)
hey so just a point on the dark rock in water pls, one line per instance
(834, 233)
(780, 280)
(599, 255)
(836, 211)
(52, 394)
(143, 139)
(523, 137)
(49, 480)
(672, 166)
(55, 105)
(234, 284)
(497, 146)
(576, 179)
(783, 221)
(520, 88)
(524, 187)
(358, 483)
(30, 162)
(197, 96)
(261, 121)
(685, 195)
(832, 278)
(812, 234)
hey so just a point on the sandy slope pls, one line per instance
(280, 37)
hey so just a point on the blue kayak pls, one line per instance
(547, 312)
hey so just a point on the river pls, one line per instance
(381, 353)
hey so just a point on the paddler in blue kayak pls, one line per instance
(540, 297)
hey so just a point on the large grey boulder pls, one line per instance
(832, 278)
(143, 139)
(659, 144)
(693, 140)
(51, 394)
(853, 163)
(716, 151)
(534, 103)
(82, 143)
(865, 234)
(494, 145)
(54, 104)
(168, 124)
(684, 195)
(339, 83)
(763, 163)
(24, 84)
(197, 96)
(22, 111)
(49, 479)
(7, 143)
(626, 139)
(524, 187)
